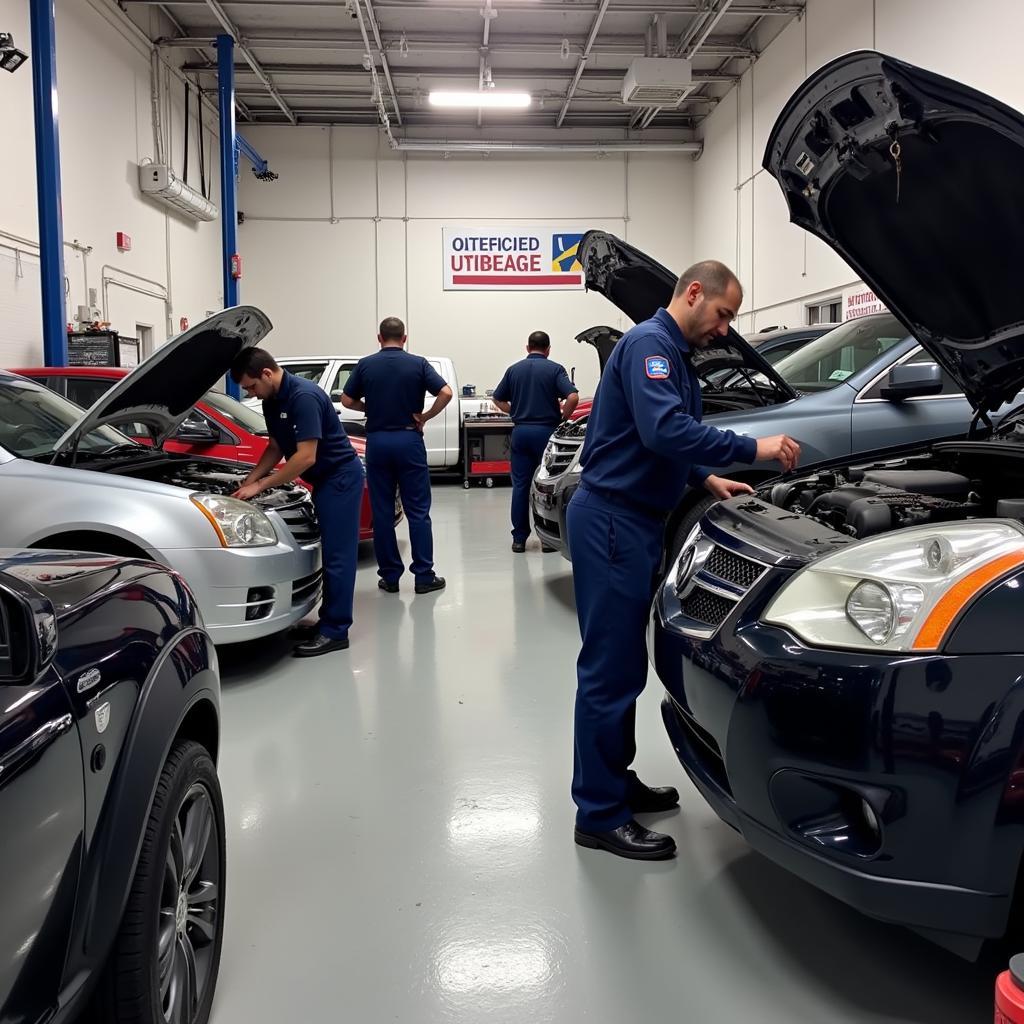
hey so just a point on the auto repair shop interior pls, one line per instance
(802, 218)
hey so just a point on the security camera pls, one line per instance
(11, 58)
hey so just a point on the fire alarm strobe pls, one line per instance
(124, 241)
(236, 266)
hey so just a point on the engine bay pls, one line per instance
(954, 482)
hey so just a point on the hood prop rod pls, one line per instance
(979, 416)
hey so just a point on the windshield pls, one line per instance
(241, 416)
(33, 419)
(826, 362)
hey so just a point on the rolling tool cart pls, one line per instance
(486, 448)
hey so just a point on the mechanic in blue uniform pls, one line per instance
(537, 393)
(645, 444)
(304, 429)
(390, 387)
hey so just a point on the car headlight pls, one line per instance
(238, 524)
(900, 592)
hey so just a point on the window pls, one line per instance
(341, 379)
(240, 415)
(949, 386)
(307, 371)
(86, 391)
(826, 312)
(829, 360)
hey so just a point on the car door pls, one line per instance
(42, 809)
(880, 423)
(340, 372)
(435, 433)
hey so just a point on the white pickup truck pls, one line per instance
(443, 434)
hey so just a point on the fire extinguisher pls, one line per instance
(1010, 993)
(236, 267)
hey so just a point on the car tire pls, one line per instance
(690, 519)
(169, 944)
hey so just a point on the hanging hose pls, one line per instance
(202, 146)
(184, 169)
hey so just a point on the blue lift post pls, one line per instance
(48, 195)
(228, 176)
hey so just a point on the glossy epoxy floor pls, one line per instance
(400, 838)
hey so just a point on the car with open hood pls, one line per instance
(70, 479)
(218, 427)
(863, 384)
(112, 870)
(841, 651)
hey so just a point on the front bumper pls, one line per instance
(247, 593)
(876, 778)
(549, 501)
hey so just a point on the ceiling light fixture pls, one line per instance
(564, 52)
(503, 100)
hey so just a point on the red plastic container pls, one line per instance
(1010, 993)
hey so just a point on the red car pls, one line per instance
(218, 428)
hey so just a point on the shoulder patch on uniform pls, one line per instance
(657, 367)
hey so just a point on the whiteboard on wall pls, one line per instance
(21, 316)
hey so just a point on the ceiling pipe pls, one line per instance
(220, 14)
(371, 17)
(499, 146)
(598, 18)
(549, 7)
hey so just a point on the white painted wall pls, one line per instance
(327, 283)
(739, 213)
(106, 128)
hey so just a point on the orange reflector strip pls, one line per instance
(959, 596)
(209, 515)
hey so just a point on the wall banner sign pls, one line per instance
(860, 301)
(512, 258)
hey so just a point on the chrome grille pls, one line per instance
(300, 518)
(703, 606)
(559, 454)
(306, 587)
(733, 568)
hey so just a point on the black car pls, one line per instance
(112, 863)
(841, 651)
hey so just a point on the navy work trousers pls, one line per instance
(338, 501)
(528, 443)
(397, 459)
(615, 555)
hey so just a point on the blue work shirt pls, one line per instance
(393, 383)
(533, 386)
(301, 411)
(645, 441)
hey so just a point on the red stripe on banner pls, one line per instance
(517, 279)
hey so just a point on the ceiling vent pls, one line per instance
(657, 82)
(159, 182)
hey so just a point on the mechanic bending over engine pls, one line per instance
(537, 393)
(305, 429)
(645, 445)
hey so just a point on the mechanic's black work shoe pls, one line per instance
(546, 550)
(437, 583)
(648, 800)
(519, 546)
(319, 644)
(388, 588)
(631, 840)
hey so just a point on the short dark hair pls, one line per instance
(391, 329)
(713, 277)
(539, 339)
(251, 362)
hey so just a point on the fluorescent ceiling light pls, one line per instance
(507, 100)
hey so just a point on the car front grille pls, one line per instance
(300, 518)
(704, 606)
(710, 592)
(559, 455)
(547, 525)
(306, 587)
(733, 568)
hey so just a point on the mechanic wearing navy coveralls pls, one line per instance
(390, 387)
(531, 392)
(645, 444)
(304, 429)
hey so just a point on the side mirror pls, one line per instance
(194, 432)
(912, 380)
(28, 632)
(336, 396)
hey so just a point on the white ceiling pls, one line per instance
(302, 61)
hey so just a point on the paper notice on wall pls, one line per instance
(860, 301)
(480, 258)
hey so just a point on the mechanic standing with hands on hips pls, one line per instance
(645, 444)
(305, 429)
(390, 387)
(538, 394)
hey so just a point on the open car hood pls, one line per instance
(162, 389)
(940, 241)
(638, 286)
